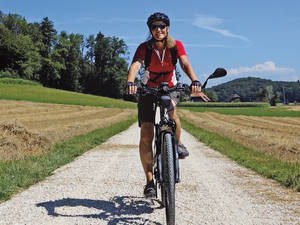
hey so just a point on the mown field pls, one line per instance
(264, 139)
(42, 129)
(278, 136)
(30, 128)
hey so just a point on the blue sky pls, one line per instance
(248, 38)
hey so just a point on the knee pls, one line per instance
(173, 115)
(146, 139)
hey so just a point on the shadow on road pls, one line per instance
(120, 209)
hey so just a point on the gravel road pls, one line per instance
(104, 186)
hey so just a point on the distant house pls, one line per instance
(196, 98)
(233, 97)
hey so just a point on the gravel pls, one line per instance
(105, 186)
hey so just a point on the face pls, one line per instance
(159, 30)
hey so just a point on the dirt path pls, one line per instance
(104, 186)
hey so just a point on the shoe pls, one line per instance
(182, 151)
(150, 190)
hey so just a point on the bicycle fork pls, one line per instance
(157, 160)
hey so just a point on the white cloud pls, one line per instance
(268, 66)
(211, 22)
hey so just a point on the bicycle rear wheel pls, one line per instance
(168, 186)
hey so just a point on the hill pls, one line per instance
(247, 89)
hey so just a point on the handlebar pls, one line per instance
(163, 89)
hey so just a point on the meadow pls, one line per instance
(262, 138)
(42, 129)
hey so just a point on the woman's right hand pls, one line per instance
(130, 88)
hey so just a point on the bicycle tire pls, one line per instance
(168, 186)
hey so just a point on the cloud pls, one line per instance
(268, 66)
(211, 22)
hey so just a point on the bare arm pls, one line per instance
(187, 68)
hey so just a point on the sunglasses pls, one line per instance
(160, 26)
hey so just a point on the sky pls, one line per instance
(257, 38)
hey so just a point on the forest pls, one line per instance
(35, 51)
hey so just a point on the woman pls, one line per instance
(161, 68)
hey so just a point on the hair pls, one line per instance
(169, 42)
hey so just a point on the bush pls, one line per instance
(8, 73)
(18, 81)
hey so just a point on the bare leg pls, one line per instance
(146, 155)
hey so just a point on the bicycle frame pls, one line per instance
(165, 125)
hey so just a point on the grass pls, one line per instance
(20, 174)
(36, 93)
(248, 111)
(18, 81)
(287, 174)
(224, 104)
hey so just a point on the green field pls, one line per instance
(279, 111)
(26, 91)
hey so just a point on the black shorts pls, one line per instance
(147, 107)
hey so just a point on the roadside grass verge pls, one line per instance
(20, 174)
(248, 111)
(287, 174)
(37, 93)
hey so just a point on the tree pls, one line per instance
(69, 49)
(15, 23)
(90, 54)
(110, 68)
(211, 94)
(49, 73)
(262, 95)
(48, 36)
(275, 99)
(17, 51)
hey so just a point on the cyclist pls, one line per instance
(160, 69)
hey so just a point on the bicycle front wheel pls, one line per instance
(168, 186)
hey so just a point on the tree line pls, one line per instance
(252, 89)
(35, 51)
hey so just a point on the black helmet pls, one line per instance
(158, 17)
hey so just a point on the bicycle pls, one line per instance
(166, 159)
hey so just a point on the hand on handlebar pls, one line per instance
(196, 89)
(130, 88)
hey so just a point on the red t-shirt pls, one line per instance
(159, 64)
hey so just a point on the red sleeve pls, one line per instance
(180, 49)
(140, 53)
